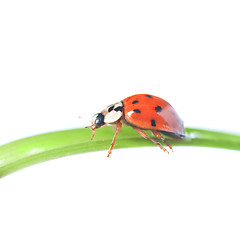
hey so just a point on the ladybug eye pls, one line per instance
(99, 120)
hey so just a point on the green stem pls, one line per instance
(28, 151)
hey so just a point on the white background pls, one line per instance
(63, 59)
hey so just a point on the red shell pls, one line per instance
(150, 112)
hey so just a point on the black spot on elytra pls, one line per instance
(149, 96)
(111, 108)
(134, 102)
(153, 123)
(136, 110)
(158, 109)
(118, 109)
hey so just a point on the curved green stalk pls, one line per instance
(28, 151)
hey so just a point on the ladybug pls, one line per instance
(141, 112)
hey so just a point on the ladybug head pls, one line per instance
(97, 122)
(109, 115)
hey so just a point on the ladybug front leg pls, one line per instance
(118, 128)
(143, 134)
(159, 136)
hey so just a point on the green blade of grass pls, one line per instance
(28, 151)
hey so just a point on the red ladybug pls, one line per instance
(141, 112)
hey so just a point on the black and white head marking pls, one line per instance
(113, 113)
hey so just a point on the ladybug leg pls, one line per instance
(143, 134)
(159, 136)
(93, 130)
(118, 128)
(93, 134)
